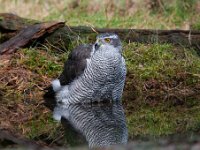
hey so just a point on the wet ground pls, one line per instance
(158, 112)
(99, 125)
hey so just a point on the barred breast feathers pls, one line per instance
(98, 69)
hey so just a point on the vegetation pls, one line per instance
(157, 14)
(162, 86)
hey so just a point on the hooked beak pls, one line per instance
(97, 44)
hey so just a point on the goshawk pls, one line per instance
(93, 72)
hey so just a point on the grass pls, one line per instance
(175, 14)
(41, 63)
(162, 62)
(137, 14)
(156, 69)
(163, 74)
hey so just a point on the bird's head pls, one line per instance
(108, 39)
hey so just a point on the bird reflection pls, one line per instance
(101, 125)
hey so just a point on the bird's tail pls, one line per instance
(56, 85)
(52, 89)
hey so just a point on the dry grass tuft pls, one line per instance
(22, 100)
(156, 70)
(18, 79)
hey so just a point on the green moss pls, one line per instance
(148, 61)
(162, 62)
(164, 118)
(165, 64)
(150, 122)
(41, 63)
(41, 126)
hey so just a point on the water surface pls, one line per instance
(100, 124)
(114, 124)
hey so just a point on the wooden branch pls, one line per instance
(11, 25)
(181, 37)
(28, 34)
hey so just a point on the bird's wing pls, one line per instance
(76, 63)
(73, 67)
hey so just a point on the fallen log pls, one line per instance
(11, 25)
(28, 34)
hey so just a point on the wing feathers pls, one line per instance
(73, 68)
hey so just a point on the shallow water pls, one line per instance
(97, 125)
(101, 126)
(105, 124)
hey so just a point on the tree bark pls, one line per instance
(11, 25)
(27, 35)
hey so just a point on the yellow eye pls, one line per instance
(107, 40)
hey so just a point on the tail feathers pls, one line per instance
(56, 85)
(49, 92)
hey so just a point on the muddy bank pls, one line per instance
(157, 102)
(20, 78)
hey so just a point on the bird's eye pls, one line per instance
(107, 40)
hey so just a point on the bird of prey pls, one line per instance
(93, 72)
